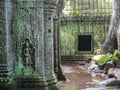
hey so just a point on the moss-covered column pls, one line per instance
(49, 44)
(6, 53)
(39, 38)
(29, 23)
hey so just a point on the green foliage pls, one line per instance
(105, 58)
(116, 55)
(109, 57)
(75, 12)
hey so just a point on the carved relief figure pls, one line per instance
(28, 54)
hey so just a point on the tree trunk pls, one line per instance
(110, 43)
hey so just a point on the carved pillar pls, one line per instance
(29, 23)
(39, 37)
(49, 45)
(6, 53)
(52, 56)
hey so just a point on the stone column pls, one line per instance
(3, 58)
(49, 45)
(57, 62)
(51, 41)
(59, 72)
(6, 53)
(9, 42)
(30, 25)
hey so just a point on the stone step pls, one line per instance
(75, 58)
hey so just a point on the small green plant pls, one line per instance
(116, 55)
(109, 57)
(104, 59)
(75, 12)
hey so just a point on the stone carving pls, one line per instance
(36, 22)
(28, 54)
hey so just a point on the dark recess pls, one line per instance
(84, 43)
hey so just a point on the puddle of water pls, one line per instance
(79, 79)
(97, 77)
(68, 69)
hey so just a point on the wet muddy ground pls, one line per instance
(79, 79)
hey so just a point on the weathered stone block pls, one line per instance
(114, 72)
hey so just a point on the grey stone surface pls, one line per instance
(110, 82)
(6, 56)
(107, 82)
(49, 46)
(114, 72)
(34, 20)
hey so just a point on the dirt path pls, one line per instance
(79, 79)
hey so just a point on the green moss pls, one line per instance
(22, 72)
(54, 87)
(24, 12)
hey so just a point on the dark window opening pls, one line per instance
(84, 43)
(49, 31)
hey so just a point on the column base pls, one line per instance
(60, 75)
(31, 84)
(39, 88)
(54, 87)
(6, 80)
(5, 84)
(52, 83)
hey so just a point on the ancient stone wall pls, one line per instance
(29, 34)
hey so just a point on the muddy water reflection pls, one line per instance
(79, 79)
